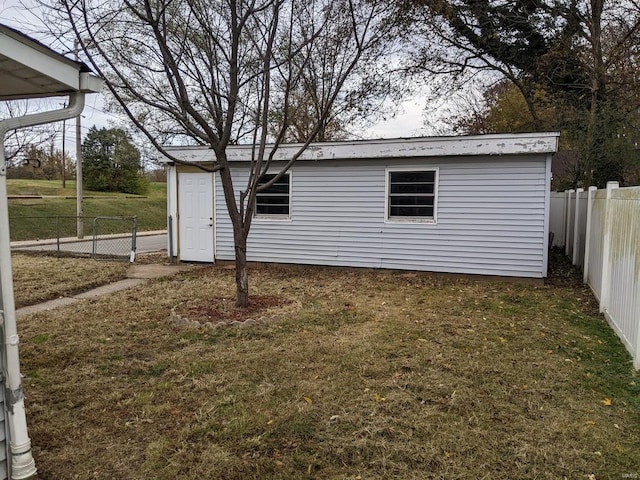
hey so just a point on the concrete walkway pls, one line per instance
(136, 275)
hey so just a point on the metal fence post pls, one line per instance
(134, 236)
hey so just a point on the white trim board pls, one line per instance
(473, 145)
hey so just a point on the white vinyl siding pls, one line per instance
(490, 217)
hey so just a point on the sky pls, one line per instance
(408, 121)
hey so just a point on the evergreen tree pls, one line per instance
(111, 162)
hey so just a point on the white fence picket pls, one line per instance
(557, 220)
(601, 232)
(596, 237)
(579, 226)
(623, 306)
(568, 247)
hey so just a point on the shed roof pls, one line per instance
(471, 145)
(30, 69)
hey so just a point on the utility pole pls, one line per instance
(79, 214)
(64, 131)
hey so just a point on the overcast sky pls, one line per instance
(407, 123)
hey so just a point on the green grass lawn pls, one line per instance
(342, 374)
(38, 278)
(26, 215)
(20, 186)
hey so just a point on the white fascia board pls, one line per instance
(491, 145)
(90, 83)
(41, 62)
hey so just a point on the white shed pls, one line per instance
(471, 204)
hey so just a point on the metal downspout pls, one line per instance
(22, 464)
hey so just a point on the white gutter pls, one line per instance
(22, 464)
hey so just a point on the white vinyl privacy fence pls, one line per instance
(600, 231)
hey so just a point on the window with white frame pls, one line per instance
(274, 201)
(411, 195)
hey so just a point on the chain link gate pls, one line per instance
(108, 241)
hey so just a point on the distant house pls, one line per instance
(474, 204)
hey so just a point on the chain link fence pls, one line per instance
(41, 228)
(108, 241)
(102, 238)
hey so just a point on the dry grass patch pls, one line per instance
(374, 374)
(37, 278)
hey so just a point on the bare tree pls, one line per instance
(213, 71)
(609, 55)
(371, 92)
(18, 142)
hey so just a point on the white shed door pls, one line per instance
(195, 214)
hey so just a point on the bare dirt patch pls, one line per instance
(218, 310)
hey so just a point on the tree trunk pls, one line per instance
(242, 276)
(597, 70)
(591, 156)
(240, 232)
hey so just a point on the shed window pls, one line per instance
(412, 195)
(274, 201)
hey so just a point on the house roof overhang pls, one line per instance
(29, 69)
(471, 145)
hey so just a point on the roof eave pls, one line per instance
(46, 72)
(487, 145)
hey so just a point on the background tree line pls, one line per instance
(567, 65)
(41, 162)
(111, 162)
